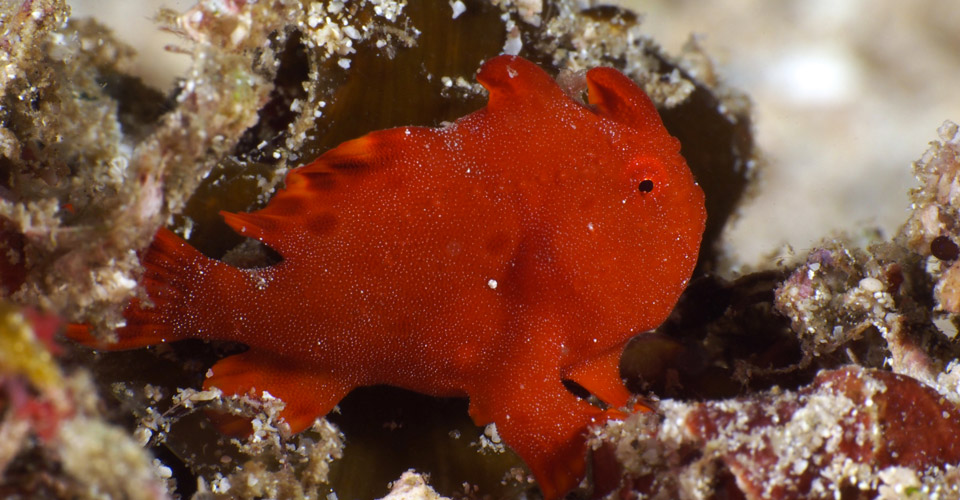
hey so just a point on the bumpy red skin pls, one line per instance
(491, 258)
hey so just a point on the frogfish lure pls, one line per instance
(492, 258)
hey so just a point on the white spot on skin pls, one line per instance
(492, 283)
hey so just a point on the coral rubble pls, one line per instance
(852, 430)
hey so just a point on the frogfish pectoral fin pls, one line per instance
(307, 394)
(601, 376)
(546, 427)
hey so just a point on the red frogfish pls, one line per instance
(492, 258)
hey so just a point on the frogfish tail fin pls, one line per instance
(174, 273)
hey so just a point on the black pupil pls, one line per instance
(645, 186)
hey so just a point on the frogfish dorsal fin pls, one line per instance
(305, 202)
(511, 79)
(618, 98)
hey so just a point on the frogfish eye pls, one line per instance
(645, 186)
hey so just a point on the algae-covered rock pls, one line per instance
(866, 433)
(55, 441)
